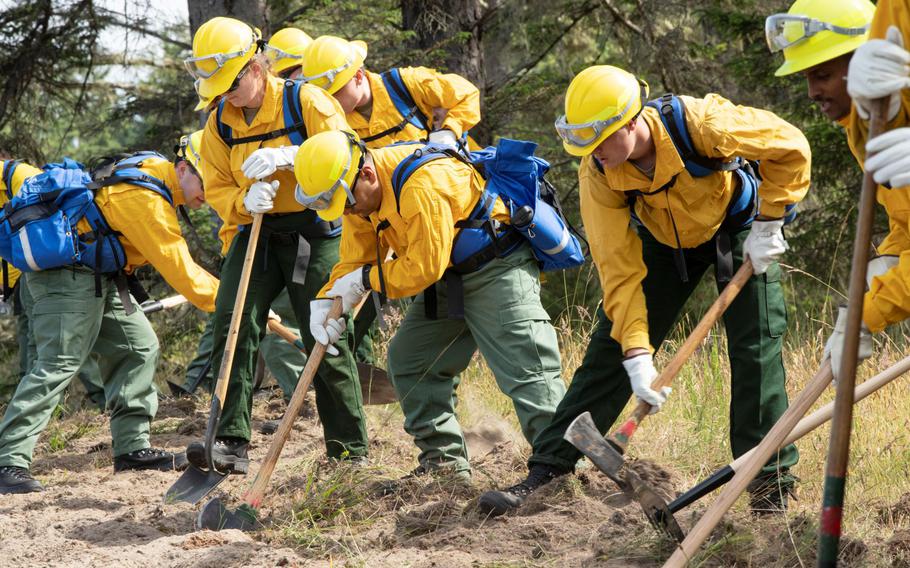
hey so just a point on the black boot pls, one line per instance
(150, 458)
(495, 503)
(768, 493)
(18, 480)
(228, 454)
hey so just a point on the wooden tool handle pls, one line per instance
(286, 334)
(762, 453)
(172, 301)
(620, 438)
(254, 496)
(230, 345)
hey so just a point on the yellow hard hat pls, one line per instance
(221, 49)
(599, 101)
(815, 31)
(203, 103)
(330, 62)
(286, 47)
(189, 148)
(324, 163)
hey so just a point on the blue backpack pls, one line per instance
(743, 206)
(38, 225)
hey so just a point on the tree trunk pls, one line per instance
(253, 12)
(452, 27)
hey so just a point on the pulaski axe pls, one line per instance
(607, 453)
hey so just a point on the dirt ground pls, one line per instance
(318, 513)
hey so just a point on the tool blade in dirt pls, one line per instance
(194, 484)
(214, 516)
(375, 384)
(654, 506)
(584, 435)
(176, 390)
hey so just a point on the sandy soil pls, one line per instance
(318, 513)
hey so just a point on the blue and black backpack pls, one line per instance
(404, 103)
(38, 225)
(516, 176)
(743, 207)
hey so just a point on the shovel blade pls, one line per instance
(375, 384)
(214, 516)
(584, 435)
(655, 508)
(193, 485)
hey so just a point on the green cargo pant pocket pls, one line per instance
(773, 306)
(527, 339)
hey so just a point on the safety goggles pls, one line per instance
(785, 30)
(236, 84)
(584, 134)
(276, 53)
(322, 201)
(196, 65)
(329, 75)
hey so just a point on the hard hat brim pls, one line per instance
(797, 64)
(336, 207)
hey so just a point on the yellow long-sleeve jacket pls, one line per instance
(21, 172)
(719, 129)
(430, 89)
(435, 197)
(150, 233)
(888, 299)
(225, 184)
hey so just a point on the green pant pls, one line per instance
(338, 398)
(283, 359)
(755, 323)
(504, 318)
(67, 323)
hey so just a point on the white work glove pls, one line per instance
(265, 161)
(888, 158)
(274, 316)
(834, 347)
(879, 68)
(444, 137)
(764, 244)
(878, 266)
(324, 330)
(259, 198)
(350, 288)
(642, 373)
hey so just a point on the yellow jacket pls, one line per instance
(225, 184)
(435, 197)
(20, 174)
(888, 299)
(719, 129)
(150, 233)
(429, 89)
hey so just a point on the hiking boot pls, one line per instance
(228, 455)
(768, 494)
(15, 479)
(150, 458)
(495, 503)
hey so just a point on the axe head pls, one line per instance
(655, 508)
(584, 435)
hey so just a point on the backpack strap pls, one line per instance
(293, 117)
(406, 168)
(128, 171)
(672, 111)
(9, 169)
(404, 103)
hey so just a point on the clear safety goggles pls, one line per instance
(192, 64)
(322, 201)
(329, 75)
(785, 30)
(276, 53)
(584, 134)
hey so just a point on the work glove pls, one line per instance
(350, 289)
(764, 244)
(834, 347)
(879, 68)
(888, 157)
(274, 316)
(324, 330)
(265, 161)
(444, 137)
(878, 266)
(259, 198)
(642, 373)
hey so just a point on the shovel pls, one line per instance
(194, 484)
(805, 426)
(214, 515)
(374, 382)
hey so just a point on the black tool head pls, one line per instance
(214, 516)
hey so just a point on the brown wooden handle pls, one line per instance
(254, 496)
(283, 332)
(227, 360)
